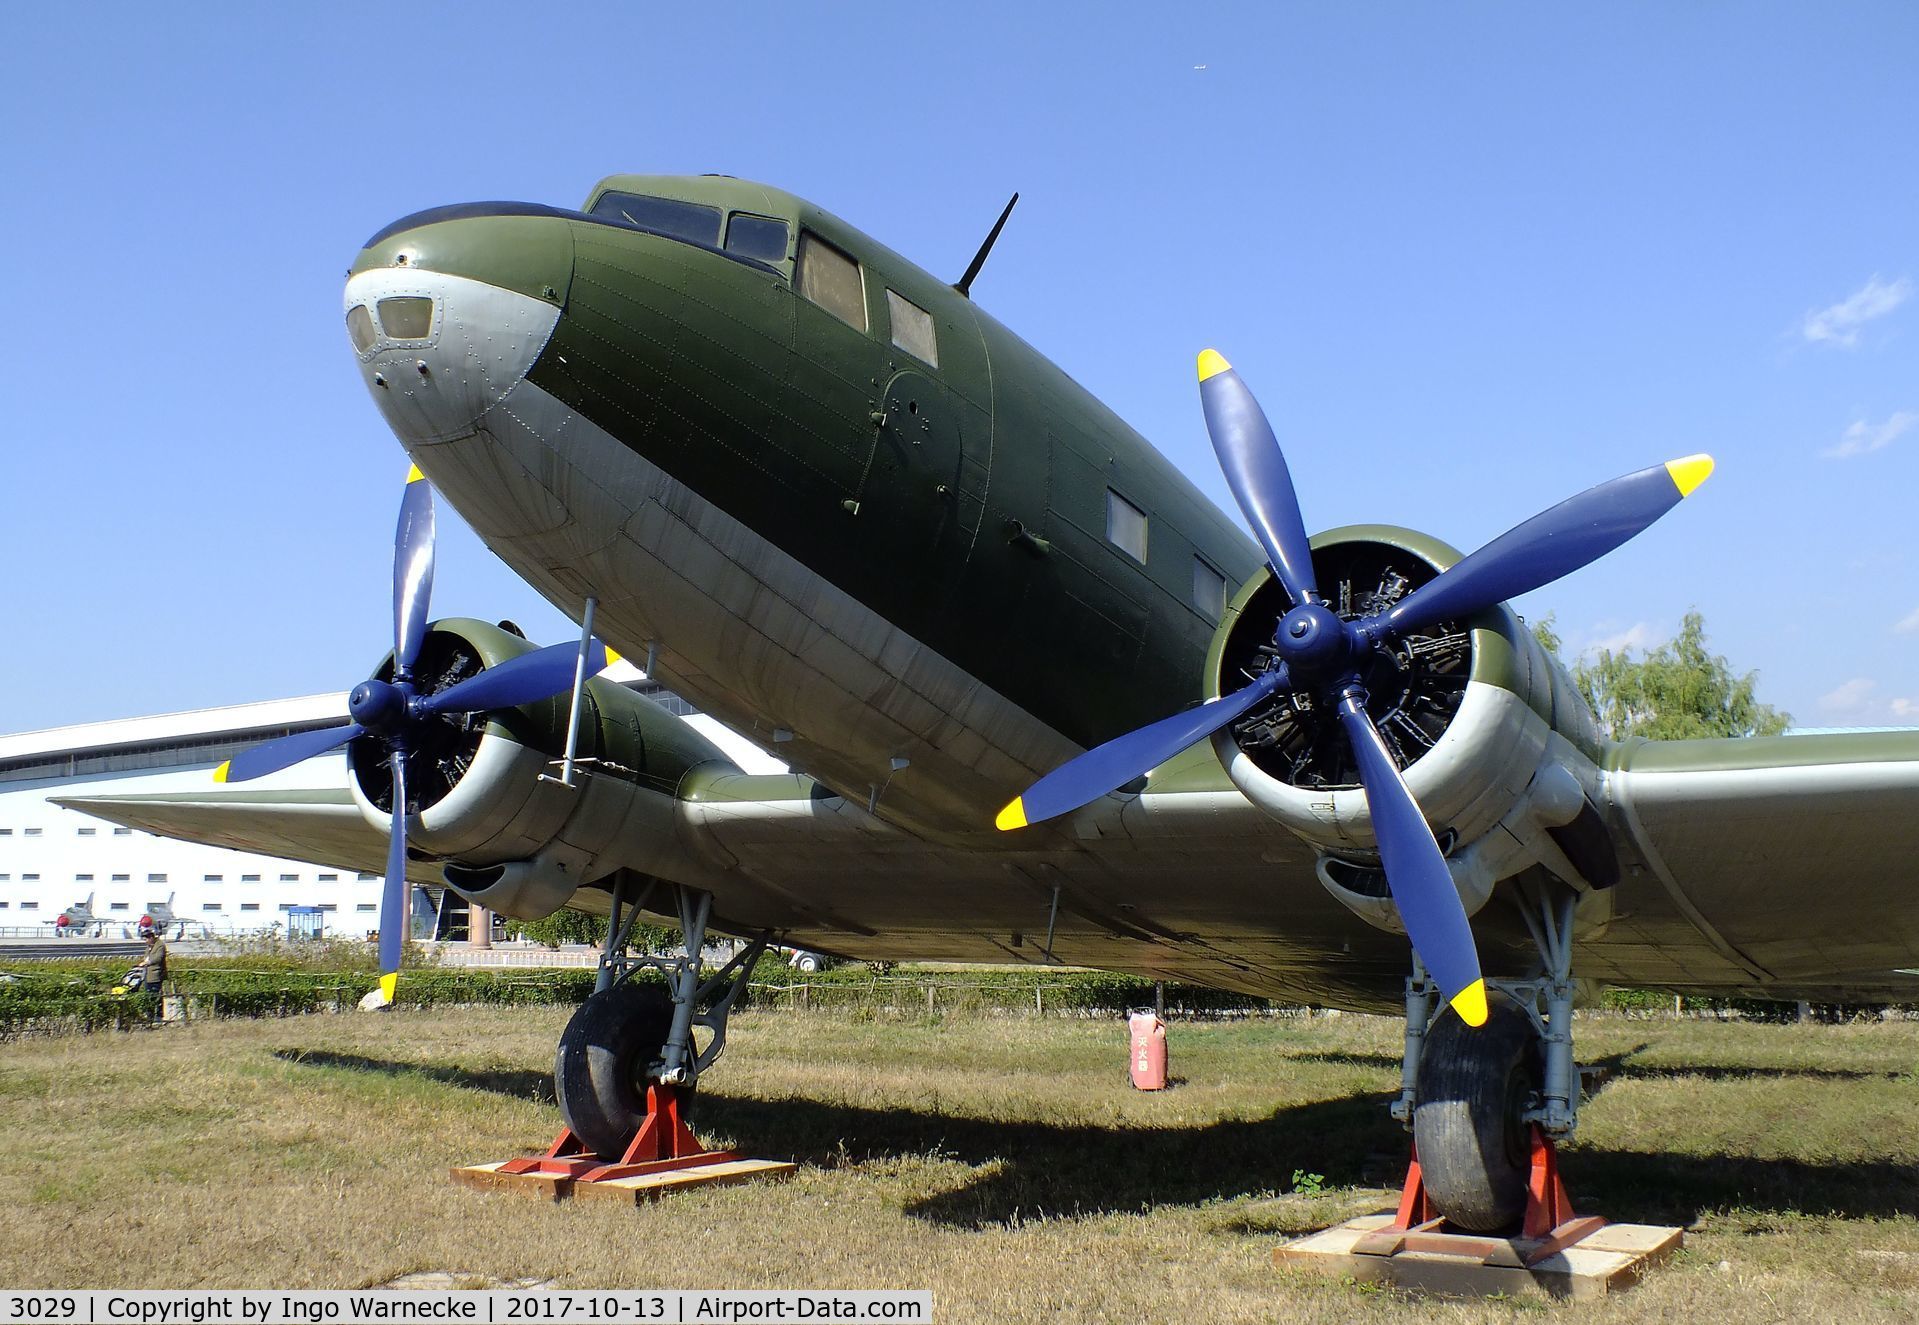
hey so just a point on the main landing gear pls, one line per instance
(630, 1058)
(1486, 1106)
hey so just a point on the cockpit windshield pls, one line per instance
(662, 216)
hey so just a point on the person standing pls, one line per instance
(153, 970)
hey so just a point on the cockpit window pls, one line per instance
(758, 237)
(832, 280)
(359, 325)
(666, 216)
(408, 317)
(912, 328)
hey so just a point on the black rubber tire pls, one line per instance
(1472, 1088)
(605, 1054)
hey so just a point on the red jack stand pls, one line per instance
(663, 1143)
(1549, 1220)
(663, 1154)
(1553, 1250)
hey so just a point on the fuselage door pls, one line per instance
(917, 495)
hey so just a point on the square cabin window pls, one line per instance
(1209, 590)
(832, 280)
(912, 328)
(1125, 526)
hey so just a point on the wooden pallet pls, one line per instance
(632, 1190)
(1583, 1261)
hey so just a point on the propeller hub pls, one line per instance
(378, 706)
(1311, 638)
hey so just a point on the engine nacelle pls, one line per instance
(483, 797)
(1495, 743)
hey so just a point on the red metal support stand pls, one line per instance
(1549, 1221)
(663, 1143)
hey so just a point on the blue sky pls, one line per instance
(1473, 258)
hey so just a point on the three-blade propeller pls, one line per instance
(394, 710)
(1317, 651)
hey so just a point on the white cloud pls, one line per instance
(1863, 438)
(1909, 623)
(1851, 700)
(1839, 324)
(1858, 703)
(1636, 636)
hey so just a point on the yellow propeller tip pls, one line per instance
(414, 475)
(1211, 364)
(1689, 473)
(1013, 816)
(612, 657)
(220, 773)
(388, 983)
(1470, 1003)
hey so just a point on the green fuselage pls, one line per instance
(965, 502)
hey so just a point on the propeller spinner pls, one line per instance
(394, 711)
(1314, 650)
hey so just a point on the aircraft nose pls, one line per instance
(448, 310)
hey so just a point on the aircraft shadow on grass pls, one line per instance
(1620, 1067)
(1033, 1170)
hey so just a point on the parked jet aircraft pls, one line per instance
(834, 503)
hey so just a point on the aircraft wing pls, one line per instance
(321, 825)
(1794, 855)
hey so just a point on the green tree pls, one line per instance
(1677, 691)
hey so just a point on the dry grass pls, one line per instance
(1001, 1163)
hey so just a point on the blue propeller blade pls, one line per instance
(393, 908)
(272, 756)
(412, 571)
(1416, 872)
(1256, 471)
(1084, 780)
(1554, 543)
(533, 676)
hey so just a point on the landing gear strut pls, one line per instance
(1482, 1104)
(629, 1060)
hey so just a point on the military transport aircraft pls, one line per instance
(1044, 702)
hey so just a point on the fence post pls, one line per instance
(929, 998)
(1039, 999)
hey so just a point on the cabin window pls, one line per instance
(1209, 590)
(758, 237)
(407, 317)
(1125, 526)
(209, 906)
(249, 906)
(663, 216)
(359, 325)
(912, 328)
(120, 906)
(832, 280)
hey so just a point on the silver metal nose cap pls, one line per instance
(443, 350)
